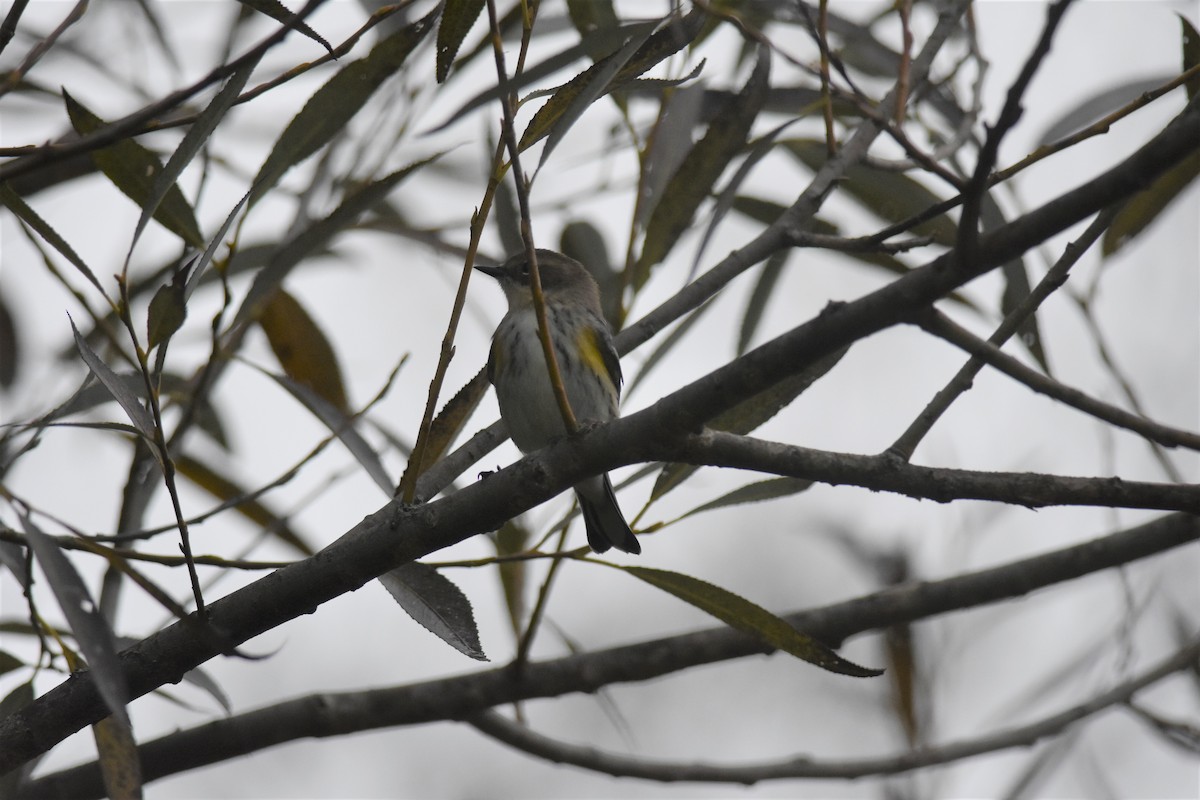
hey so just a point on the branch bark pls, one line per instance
(464, 696)
(395, 535)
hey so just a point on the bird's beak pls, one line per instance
(488, 269)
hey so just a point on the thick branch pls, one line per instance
(805, 767)
(463, 696)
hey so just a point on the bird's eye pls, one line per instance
(525, 270)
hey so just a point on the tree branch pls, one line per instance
(493, 724)
(464, 696)
(395, 535)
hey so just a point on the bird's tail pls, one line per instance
(606, 526)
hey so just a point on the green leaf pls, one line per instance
(134, 170)
(277, 11)
(1191, 56)
(667, 41)
(120, 391)
(302, 348)
(566, 107)
(220, 486)
(693, 181)
(88, 625)
(117, 754)
(30, 217)
(592, 17)
(764, 287)
(740, 613)
(9, 662)
(10, 345)
(168, 310)
(437, 604)
(335, 103)
(192, 141)
(1146, 206)
(316, 236)
(749, 414)
(457, 19)
(891, 196)
(758, 492)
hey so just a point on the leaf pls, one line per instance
(226, 490)
(303, 350)
(757, 492)
(14, 701)
(336, 102)
(9, 662)
(10, 346)
(749, 414)
(1146, 206)
(88, 625)
(342, 426)
(277, 11)
(134, 170)
(436, 604)
(1191, 56)
(764, 287)
(192, 141)
(30, 217)
(891, 196)
(740, 613)
(316, 236)
(118, 757)
(120, 391)
(168, 310)
(513, 538)
(590, 18)
(667, 41)
(449, 423)
(457, 19)
(1094, 107)
(568, 104)
(693, 181)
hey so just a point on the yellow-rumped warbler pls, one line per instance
(590, 369)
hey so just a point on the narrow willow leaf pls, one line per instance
(10, 345)
(313, 239)
(666, 42)
(192, 141)
(168, 310)
(342, 426)
(1096, 106)
(88, 625)
(436, 604)
(225, 489)
(566, 107)
(451, 420)
(740, 613)
(117, 753)
(749, 414)
(693, 181)
(199, 678)
(1191, 56)
(513, 538)
(303, 349)
(583, 242)
(758, 492)
(764, 287)
(457, 19)
(590, 18)
(891, 196)
(134, 170)
(279, 12)
(335, 103)
(120, 390)
(1145, 207)
(9, 662)
(30, 217)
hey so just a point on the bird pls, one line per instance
(587, 362)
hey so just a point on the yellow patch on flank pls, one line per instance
(589, 347)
